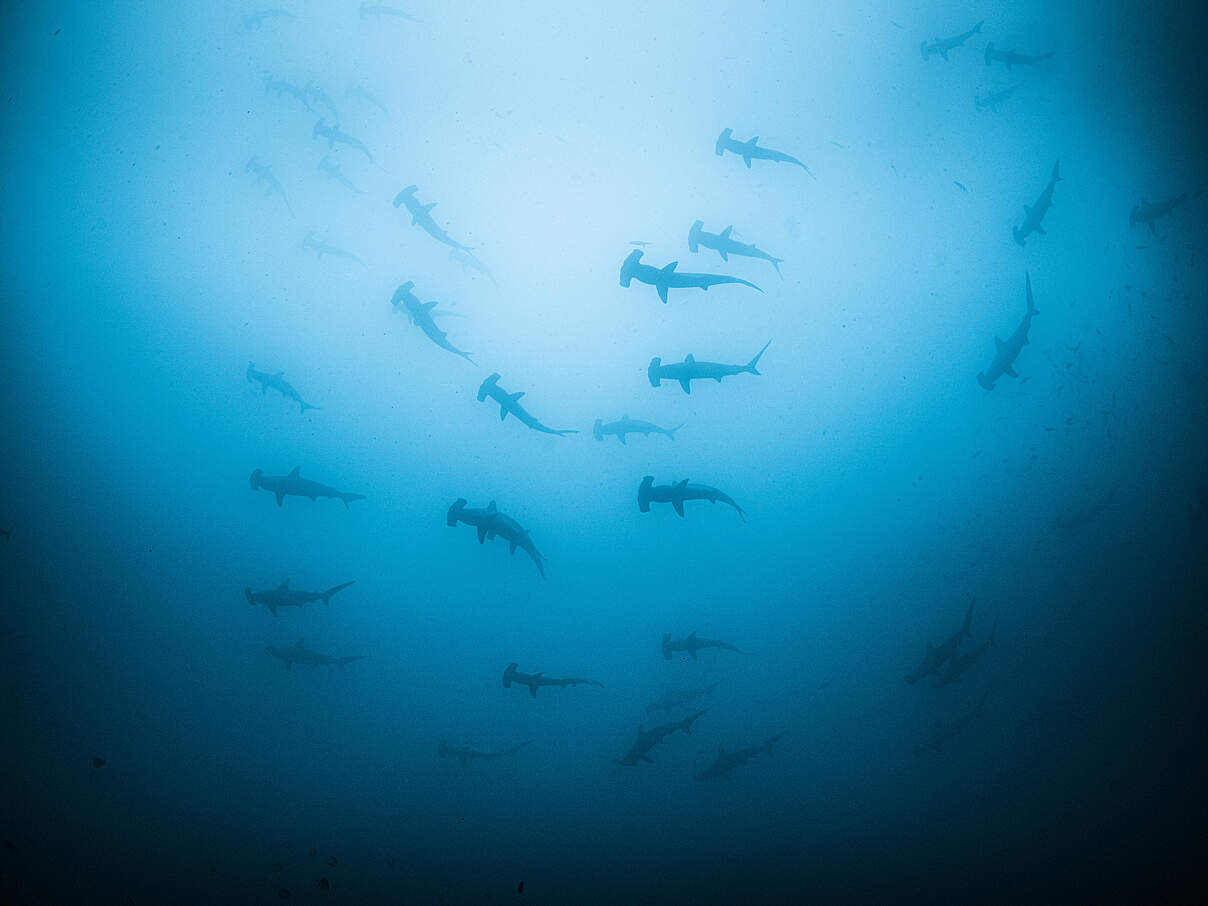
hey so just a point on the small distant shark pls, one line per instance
(284, 596)
(728, 761)
(1148, 213)
(315, 93)
(296, 486)
(1006, 353)
(1011, 58)
(257, 18)
(672, 700)
(420, 314)
(465, 754)
(938, 655)
(278, 382)
(691, 370)
(648, 739)
(7, 533)
(693, 644)
(533, 680)
(271, 85)
(490, 523)
(725, 246)
(335, 134)
(943, 45)
(321, 248)
(676, 494)
(994, 98)
(301, 655)
(333, 171)
(1035, 213)
(469, 262)
(943, 732)
(750, 150)
(421, 216)
(959, 664)
(509, 404)
(665, 278)
(377, 10)
(626, 425)
(359, 92)
(264, 175)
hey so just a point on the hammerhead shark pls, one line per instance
(509, 404)
(265, 176)
(465, 754)
(1005, 353)
(301, 655)
(648, 739)
(490, 523)
(943, 45)
(377, 10)
(333, 171)
(469, 262)
(533, 680)
(1035, 214)
(278, 382)
(314, 92)
(1011, 58)
(693, 644)
(726, 246)
(296, 486)
(420, 314)
(1148, 213)
(676, 494)
(284, 596)
(665, 278)
(271, 84)
(728, 761)
(257, 18)
(946, 731)
(321, 248)
(335, 134)
(421, 216)
(994, 98)
(938, 655)
(361, 93)
(959, 664)
(672, 700)
(626, 425)
(750, 150)
(691, 370)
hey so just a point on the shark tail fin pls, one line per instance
(671, 431)
(1057, 177)
(1031, 302)
(331, 591)
(348, 498)
(776, 262)
(348, 660)
(965, 627)
(303, 406)
(750, 366)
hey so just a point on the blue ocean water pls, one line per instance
(190, 188)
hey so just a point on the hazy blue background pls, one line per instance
(143, 268)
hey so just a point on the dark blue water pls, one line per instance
(154, 750)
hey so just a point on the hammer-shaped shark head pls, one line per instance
(694, 235)
(255, 479)
(487, 386)
(508, 674)
(455, 512)
(595, 429)
(722, 141)
(629, 267)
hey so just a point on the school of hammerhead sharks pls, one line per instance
(944, 663)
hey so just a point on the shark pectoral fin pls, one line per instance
(280, 498)
(684, 383)
(692, 634)
(692, 651)
(503, 413)
(1009, 371)
(746, 159)
(272, 609)
(621, 438)
(662, 291)
(679, 506)
(482, 534)
(1041, 230)
(724, 257)
(511, 547)
(533, 690)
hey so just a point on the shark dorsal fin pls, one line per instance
(539, 675)
(692, 634)
(295, 473)
(299, 645)
(427, 305)
(725, 234)
(684, 484)
(515, 396)
(284, 584)
(752, 142)
(427, 207)
(668, 270)
(491, 508)
(689, 359)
